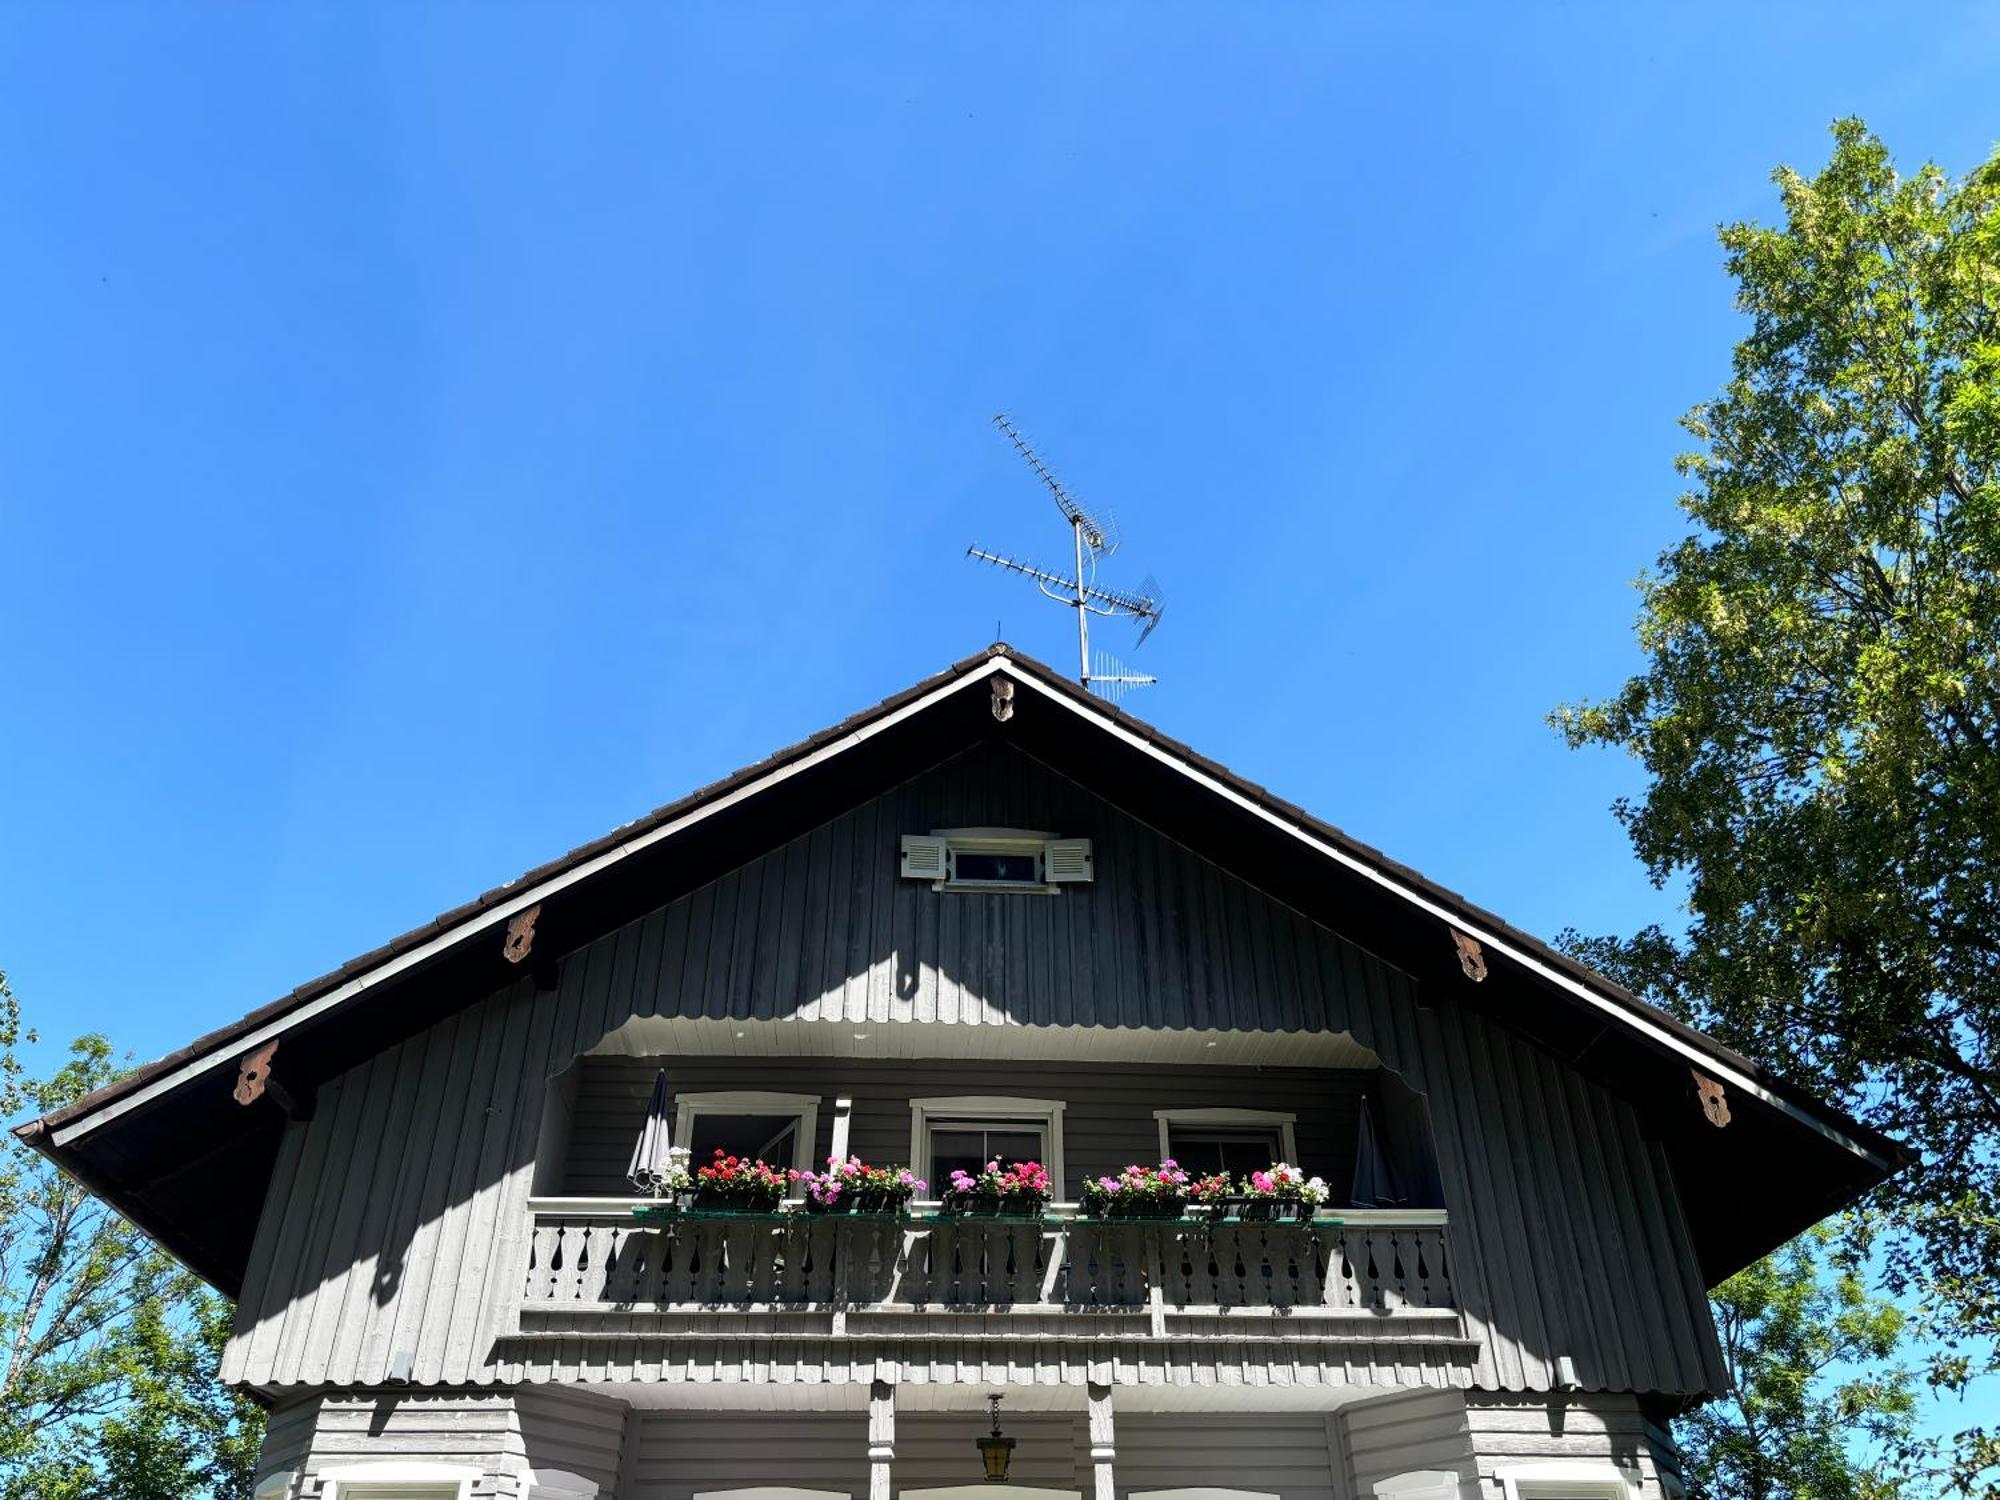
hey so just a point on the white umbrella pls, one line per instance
(653, 1154)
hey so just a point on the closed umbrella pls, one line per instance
(1375, 1184)
(653, 1154)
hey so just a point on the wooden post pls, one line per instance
(881, 1437)
(1103, 1445)
(843, 1114)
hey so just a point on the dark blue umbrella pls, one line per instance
(1375, 1184)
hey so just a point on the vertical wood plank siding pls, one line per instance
(397, 1217)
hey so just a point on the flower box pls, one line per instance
(1138, 1192)
(1269, 1210)
(1019, 1190)
(851, 1204)
(1155, 1209)
(738, 1185)
(991, 1206)
(711, 1201)
(851, 1186)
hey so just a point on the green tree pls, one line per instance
(1819, 711)
(1819, 1411)
(108, 1348)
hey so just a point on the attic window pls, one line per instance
(995, 859)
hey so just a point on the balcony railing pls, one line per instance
(595, 1258)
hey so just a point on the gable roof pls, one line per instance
(169, 1147)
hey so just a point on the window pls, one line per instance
(399, 1481)
(967, 1132)
(1569, 1479)
(995, 859)
(777, 1128)
(1235, 1141)
(967, 1145)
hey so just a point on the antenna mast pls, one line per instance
(1092, 538)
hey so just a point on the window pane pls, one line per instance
(1236, 1151)
(1017, 868)
(967, 1146)
(772, 1138)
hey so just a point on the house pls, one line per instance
(991, 917)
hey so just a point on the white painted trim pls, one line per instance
(1285, 1120)
(773, 1492)
(1567, 1479)
(501, 911)
(1561, 980)
(970, 1491)
(802, 1107)
(843, 1120)
(275, 1486)
(1048, 1113)
(353, 1482)
(1202, 1492)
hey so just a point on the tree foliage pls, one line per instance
(108, 1348)
(1819, 1410)
(1819, 711)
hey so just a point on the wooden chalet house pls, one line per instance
(991, 917)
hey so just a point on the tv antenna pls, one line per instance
(1094, 537)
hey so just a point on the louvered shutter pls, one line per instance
(923, 857)
(1066, 861)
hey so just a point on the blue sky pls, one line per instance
(431, 437)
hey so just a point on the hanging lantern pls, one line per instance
(996, 1449)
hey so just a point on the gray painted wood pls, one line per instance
(400, 1221)
(1509, 1430)
(1389, 1440)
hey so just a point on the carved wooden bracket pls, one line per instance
(254, 1072)
(521, 934)
(1471, 957)
(254, 1080)
(1003, 696)
(1714, 1102)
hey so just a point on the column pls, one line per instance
(881, 1437)
(1103, 1445)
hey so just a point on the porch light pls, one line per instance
(996, 1449)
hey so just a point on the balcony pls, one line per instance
(1339, 1276)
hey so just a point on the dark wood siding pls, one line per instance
(397, 1218)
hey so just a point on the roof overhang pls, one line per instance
(169, 1146)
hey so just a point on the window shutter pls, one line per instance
(1066, 861)
(923, 857)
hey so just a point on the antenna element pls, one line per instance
(1093, 538)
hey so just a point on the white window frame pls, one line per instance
(1223, 1119)
(360, 1481)
(987, 1109)
(959, 841)
(1567, 1479)
(773, 1492)
(804, 1107)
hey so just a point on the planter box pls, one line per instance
(990, 1206)
(1268, 1210)
(878, 1204)
(1155, 1210)
(731, 1203)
